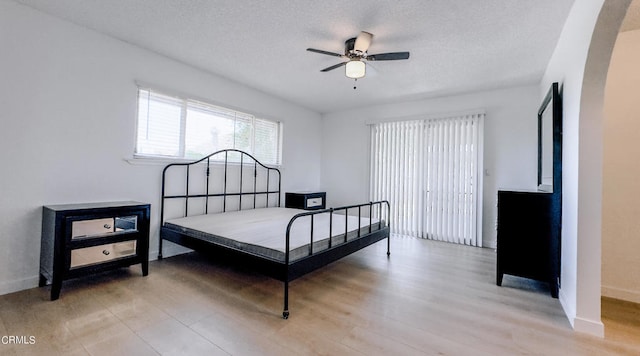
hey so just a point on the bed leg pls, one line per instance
(285, 313)
(388, 245)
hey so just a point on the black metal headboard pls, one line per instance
(219, 182)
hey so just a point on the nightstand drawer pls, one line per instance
(102, 253)
(315, 202)
(82, 229)
(86, 228)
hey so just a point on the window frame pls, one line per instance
(185, 101)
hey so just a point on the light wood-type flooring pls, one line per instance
(428, 298)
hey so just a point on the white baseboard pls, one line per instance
(18, 285)
(591, 327)
(569, 310)
(620, 293)
(32, 282)
(168, 250)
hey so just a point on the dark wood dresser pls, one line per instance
(528, 237)
(529, 222)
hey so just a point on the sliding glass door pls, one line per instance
(429, 170)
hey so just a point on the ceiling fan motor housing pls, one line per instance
(348, 47)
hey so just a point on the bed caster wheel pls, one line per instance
(285, 314)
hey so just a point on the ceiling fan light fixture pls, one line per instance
(355, 69)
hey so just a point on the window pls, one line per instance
(169, 126)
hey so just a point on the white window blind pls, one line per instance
(429, 171)
(170, 126)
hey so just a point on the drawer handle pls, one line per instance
(105, 252)
(107, 226)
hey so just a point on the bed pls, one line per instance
(229, 204)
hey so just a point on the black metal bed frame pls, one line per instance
(288, 270)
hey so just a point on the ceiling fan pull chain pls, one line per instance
(355, 82)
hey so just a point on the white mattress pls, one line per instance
(263, 231)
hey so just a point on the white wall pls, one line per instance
(621, 169)
(68, 98)
(580, 63)
(510, 145)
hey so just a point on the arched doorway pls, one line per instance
(580, 63)
(620, 192)
(591, 120)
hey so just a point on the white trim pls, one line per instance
(18, 285)
(141, 160)
(587, 326)
(431, 116)
(154, 161)
(621, 294)
(567, 306)
(591, 327)
(169, 249)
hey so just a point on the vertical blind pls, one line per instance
(429, 170)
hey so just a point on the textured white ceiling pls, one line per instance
(456, 46)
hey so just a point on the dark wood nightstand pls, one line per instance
(81, 239)
(306, 200)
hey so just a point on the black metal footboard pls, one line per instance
(372, 233)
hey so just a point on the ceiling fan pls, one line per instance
(355, 50)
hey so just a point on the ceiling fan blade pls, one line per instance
(363, 41)
(324, 52)
(334, 67)
(388, 56)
